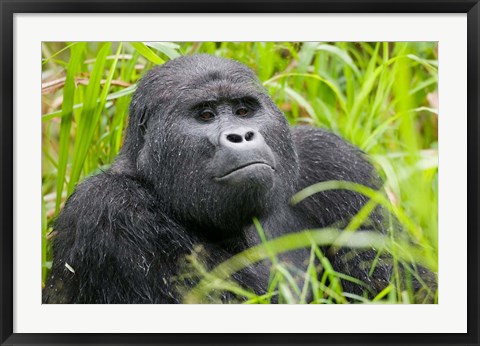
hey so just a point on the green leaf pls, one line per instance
(147, 53)
(168, 48)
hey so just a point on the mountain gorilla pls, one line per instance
(206, 150)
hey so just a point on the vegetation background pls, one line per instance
(381, 96)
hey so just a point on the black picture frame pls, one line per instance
(9, 8)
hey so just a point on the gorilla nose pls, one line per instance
(241, 138)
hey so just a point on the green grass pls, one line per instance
(381, 96)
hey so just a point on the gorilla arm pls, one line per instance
(114, 245)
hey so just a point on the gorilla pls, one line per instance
(206, 150)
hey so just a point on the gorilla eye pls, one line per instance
(242, 111)
(206, 115)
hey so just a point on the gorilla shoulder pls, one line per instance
(325, 156)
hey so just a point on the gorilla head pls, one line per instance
(206, 135)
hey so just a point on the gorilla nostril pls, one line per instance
(249, 136)
(234, 138)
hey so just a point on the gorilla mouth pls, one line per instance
(243, 167)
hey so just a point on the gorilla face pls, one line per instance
(211, 141)
(242, 157)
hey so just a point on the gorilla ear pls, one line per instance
(142, 119)
(138, 117)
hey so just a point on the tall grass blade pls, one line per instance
(74, 65)
(147, 53)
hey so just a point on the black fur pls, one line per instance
(123, 233)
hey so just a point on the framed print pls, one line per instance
(249, 172)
